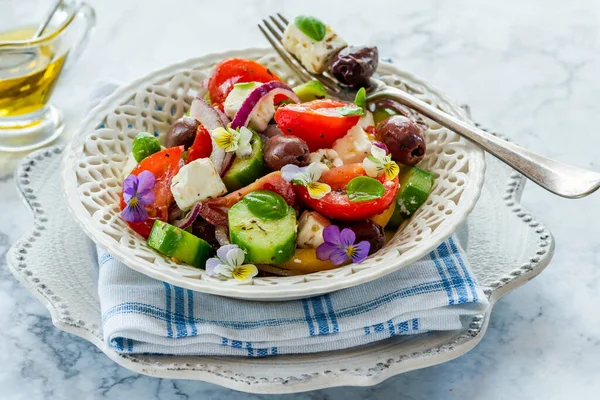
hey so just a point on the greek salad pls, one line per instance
(262, 178)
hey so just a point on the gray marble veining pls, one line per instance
(528, 70)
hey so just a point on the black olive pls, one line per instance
(354, 66)
(282, 150)
(403, 137)
(182, 132)
(369, 231)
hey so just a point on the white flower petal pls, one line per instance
(224, 270)
(378, 153)
(235, 257)
(371, 168)
(289, 172)
(313, 172)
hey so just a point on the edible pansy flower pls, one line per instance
(340, 247)
(307, 177)
(138, 193)
(229, 263)
(380, 162)
(232, 140)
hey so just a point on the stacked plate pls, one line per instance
(57, 261)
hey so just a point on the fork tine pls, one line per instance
(279, 25)
(285, 21)
(283, 54)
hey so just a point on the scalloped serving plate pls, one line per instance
(57, 263)
(91, 174)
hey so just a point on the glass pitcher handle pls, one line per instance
(87, 13)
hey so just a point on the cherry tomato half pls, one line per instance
(164, 165)
(318, 122)
(202, 146)
(235, 70)
(336, 203)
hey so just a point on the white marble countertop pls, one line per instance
(528, 70)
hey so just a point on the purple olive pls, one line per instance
(354, 66)
(369, 231)
(182, 132)
(403, 137)
(282, 150)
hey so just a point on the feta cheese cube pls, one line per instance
(310, 230)
(315, 56)
(130, 164)
(354, 147)
(237, 96)
(195, 182)
(328, 157)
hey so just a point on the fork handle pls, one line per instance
(561, 179)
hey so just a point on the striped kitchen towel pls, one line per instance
(143, 315)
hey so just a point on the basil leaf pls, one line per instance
(361, 99)
(266, 204)
(311, 27)
(364, 188)
(348, 111)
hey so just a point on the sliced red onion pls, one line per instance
(189, 218)
(381, 146)
(224, 118)
(263, 92)
(222, 235)
(208, 116)
(214, 217)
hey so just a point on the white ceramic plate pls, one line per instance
(91, 174)
(506, 246)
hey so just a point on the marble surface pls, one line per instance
(528, 70)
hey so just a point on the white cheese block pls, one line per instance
(328, 157)
(367, 120)
(315, 56)
(196, 182)
(354, 147)
(237, 96)
(310, 230)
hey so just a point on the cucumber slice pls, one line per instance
(179, 244)
(415, 185)
(244, 171)
(265, 241)
(311, 90)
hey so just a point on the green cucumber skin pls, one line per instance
(415, 186)
(264, 241)
(244, 171)
(174, 242)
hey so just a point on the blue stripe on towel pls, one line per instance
(331, 313)
(319, 315)
(456, 280)
(190, 300)
(442, 273)
(309, 321)
(179, 316)
(466, 273)
(168, 309)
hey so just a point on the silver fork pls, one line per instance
(559, 178)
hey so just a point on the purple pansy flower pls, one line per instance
(340, 246)
(138, 193)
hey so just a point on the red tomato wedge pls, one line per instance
(236, 70)
(164, 165)
(336, 203)
(202, 146)
(318, 122)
